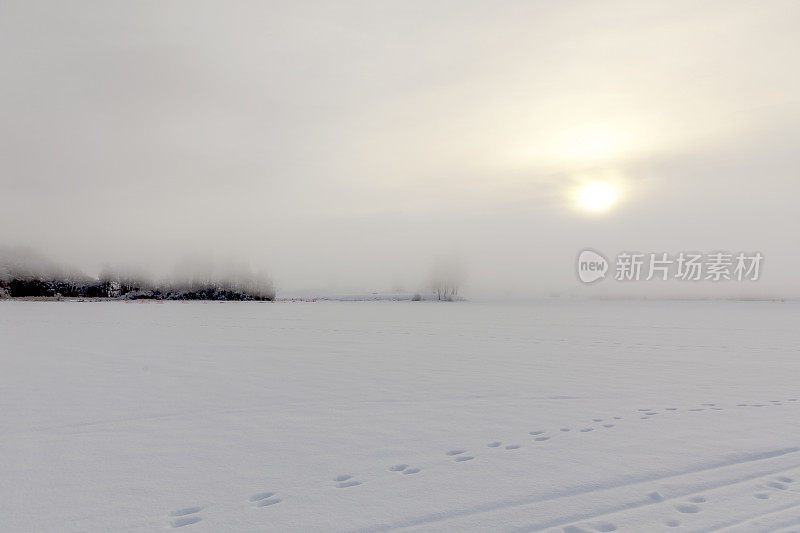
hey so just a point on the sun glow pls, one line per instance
(597, 196)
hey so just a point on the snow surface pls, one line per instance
(563, 416)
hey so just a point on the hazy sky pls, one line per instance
(348, 145)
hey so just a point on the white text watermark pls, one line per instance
(716, 266)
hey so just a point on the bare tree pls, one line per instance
(448, 276)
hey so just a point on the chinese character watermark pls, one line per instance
(717, 266)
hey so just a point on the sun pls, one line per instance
(597, 196)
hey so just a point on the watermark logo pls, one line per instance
(592, 266)
(662, 266)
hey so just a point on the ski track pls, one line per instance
(687, 502)
(648, 499)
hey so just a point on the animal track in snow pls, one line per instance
(404, 469)
(534, 433)
(462, 458)
(574, 529)
(183, 516)
(513, 447)
(261, 496)
(586, 430)
(268, 502)
(605, 527)
(495, 444)
(185, 521)
(185, 511)
(454, 452)
(345, 481)
(541, 439)
(777, 485)
(691, 508)
(597, 419)
(608, 425)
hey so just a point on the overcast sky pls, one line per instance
(352, 145)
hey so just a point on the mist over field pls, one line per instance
(354, 147)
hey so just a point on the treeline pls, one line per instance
(29, 275)
(250, 290)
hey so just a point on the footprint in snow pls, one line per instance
(761, 495)
(534, 433)
(184, 518)
(605, 527)
(398, 468)
(268, 502)
(608, 425)
(541, 439)
(777, 485)
(698, 499)
(513, 447)
(597, 419)
(671, 409)
(785, 479)
(495, 444)
(454, 452)
(586, 430)
(672, 523)
(688, 508)
(185, 521)
(411, 471)
(345, 481)
(462, 458)
(264, 499)
(565, 429)
(185, 511)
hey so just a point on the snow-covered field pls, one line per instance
(563, 416)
